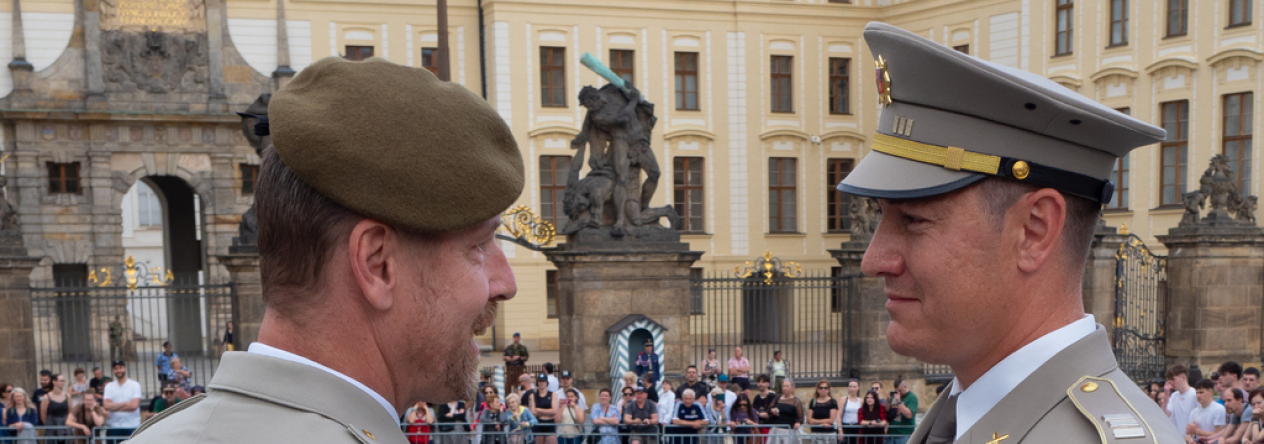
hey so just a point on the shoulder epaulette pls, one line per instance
(170, 411)
(1116, 419)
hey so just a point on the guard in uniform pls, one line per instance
(377, 206)
(991, 182)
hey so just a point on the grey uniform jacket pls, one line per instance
(1080, 396)
(261, 399)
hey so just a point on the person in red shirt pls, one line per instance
(873, 419)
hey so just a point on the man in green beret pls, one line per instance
(377, 205)
(991, 182)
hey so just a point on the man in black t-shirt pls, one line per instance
(98, 380)
(699, 388)
(764, 400)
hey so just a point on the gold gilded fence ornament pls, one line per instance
(521, 226)
(769, 267)
(133, 275)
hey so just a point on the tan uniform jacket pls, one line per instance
(1080, 396)
(261, 399)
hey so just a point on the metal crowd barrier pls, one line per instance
(60, 434)
(664, 434)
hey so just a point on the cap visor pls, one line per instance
(883, 176)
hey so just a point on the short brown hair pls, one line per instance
(1176, 370)
(1077, 230)
(298, 231)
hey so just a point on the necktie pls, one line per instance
(944, 429)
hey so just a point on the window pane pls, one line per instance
(1248, 113)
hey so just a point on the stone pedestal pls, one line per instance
(17, 333)
(602, 280)
(248, 306)
(867, 345)
(1098, 285)
(1215, 294)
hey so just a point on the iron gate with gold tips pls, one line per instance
(771, 305)
(126, 313)
(1140, 307)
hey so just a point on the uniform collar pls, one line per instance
(268, 350)
(1002, 378)
(305, 388)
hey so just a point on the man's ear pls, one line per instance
(1041, 214)
(373, 249)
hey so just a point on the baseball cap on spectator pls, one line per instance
(542, 377)
(517, 334)
(723, 378)
(566, 374)
(118, 363)
(640, 389)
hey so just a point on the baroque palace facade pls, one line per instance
(763, 106)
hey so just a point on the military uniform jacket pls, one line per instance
(261, 399)
(1080, 396)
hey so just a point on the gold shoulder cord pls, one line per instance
(953, 158)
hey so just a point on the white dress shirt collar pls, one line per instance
(1002, 378)
(268, 350)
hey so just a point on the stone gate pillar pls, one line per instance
(1098, 285)
(17, 333)
(243, 270)
(1215, 290)
(602, 280)
(1215, 275)
(867, 346)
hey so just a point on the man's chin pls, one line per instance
(905, 343)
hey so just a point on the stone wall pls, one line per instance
(1215, 289)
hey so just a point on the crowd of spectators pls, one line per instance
(1213, 410)
(100, 406)
(706, 406)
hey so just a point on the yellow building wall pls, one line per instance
(736, 131)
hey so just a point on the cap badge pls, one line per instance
(1021, 170)
(884, 82)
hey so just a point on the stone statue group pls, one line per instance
(617, 133)
(1218, 189)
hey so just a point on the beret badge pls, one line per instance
(884, 82)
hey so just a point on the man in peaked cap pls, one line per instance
(377, 204)
(991, 181)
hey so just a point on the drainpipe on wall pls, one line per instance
(482, 65)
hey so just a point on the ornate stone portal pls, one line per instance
(145, 89)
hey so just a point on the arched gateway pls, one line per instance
(131, 100)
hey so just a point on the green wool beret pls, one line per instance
(396, 144)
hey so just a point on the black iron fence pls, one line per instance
(807, 317)
(86, 327)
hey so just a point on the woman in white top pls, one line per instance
(849, 420)
(666, 403)
(572, 421)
